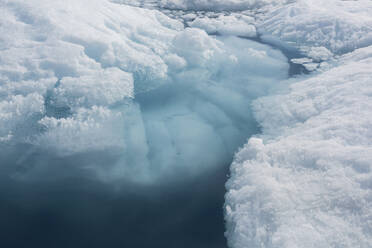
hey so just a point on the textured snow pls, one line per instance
(306, 182)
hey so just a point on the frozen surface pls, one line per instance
(306, 182)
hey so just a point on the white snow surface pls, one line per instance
(307, 181)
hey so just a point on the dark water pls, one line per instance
(78, 212)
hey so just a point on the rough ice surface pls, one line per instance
(96, 76)
(306, 180)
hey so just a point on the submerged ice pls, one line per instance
(155, 98)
